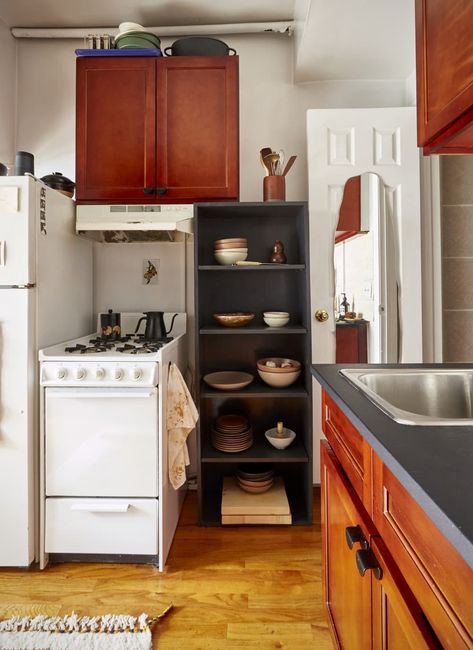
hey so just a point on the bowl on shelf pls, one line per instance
(234, 319)
(280, 441)
(228, 379)
(237, 242)
(276, 318)
(230, 257)
(278, 372)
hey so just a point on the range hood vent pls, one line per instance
(129, 223)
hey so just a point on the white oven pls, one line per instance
(101, 442)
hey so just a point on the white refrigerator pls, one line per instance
(45, 298)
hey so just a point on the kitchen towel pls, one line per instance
(181, 418)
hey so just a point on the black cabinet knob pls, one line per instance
(354, 535)
(155, 190)
(366, 561)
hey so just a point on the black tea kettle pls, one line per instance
(155, 328)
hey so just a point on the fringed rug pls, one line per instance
(109, 632)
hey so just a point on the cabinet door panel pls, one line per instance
(444, 72)
(197, 121)
(437, 575)
(398, 621)
(347, 594)
(116, 129)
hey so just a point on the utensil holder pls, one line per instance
(274, 188)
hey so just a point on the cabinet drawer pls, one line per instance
(439, 578)
(351, 449)
(118, 526)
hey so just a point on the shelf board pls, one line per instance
(255, 389)
(260, 452)
(255, 329)
(263, 267)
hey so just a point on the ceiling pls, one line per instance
(336, 39)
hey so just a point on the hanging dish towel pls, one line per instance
(181, 418)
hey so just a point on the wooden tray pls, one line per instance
(256, 519)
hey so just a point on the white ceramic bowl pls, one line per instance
(279, 379)
(231, 250)
(280, 442)
(224, 257)
(276, 318)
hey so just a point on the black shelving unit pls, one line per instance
(269, 287)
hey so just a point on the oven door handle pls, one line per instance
(68, 393)
(101, 507)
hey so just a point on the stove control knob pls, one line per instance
(100, 373)
(118, 374)
(136, 374)
(80, 373)
(61, 373)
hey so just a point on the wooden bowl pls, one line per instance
(234, 319)
(295, 365)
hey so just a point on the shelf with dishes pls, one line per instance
(259, 267)
(259, 452)
(293, 476)
(253, 333)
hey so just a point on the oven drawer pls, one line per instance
(117, 526)
(101, 442)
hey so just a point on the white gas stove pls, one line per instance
(128, 361)
(105, 488)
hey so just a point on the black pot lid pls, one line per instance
(58, 182)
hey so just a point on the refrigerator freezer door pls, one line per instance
(18, 426)
(18, 224)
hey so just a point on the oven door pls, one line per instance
(101, 442)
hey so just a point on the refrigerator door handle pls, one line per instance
(3, 252)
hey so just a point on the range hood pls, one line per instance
(128, 223)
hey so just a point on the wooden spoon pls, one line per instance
(289, 164)
(264, 152)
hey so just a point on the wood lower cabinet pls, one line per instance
(156, 130)
(255, 289)
(444, 53)
(351, 342)
(369, 603)
(421, 589)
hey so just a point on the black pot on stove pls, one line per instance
(155, 328)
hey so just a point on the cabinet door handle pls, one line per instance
(366, 561)
(155, 190)
(354, 535)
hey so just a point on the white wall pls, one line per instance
(7, 95)
(272, 108)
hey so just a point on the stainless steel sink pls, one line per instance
(417, 396)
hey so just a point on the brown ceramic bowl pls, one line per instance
(234, 243)
(234, 319)
(295, 365)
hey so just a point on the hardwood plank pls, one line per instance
(231, 588)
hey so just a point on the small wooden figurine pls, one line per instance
(278, 256)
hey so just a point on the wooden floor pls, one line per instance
(234, 587)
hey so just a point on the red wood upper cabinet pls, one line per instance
(444, 45)
(157, 130)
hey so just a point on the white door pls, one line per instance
(18, 426)
(101, 442)
(17, 231)
(344, 143)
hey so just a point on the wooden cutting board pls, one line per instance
(236, 501)
(256, 519)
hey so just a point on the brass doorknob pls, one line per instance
(321, 315)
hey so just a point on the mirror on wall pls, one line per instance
(366, 275)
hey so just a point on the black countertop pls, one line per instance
(434, 463)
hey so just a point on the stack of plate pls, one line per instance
(255, 478)
(232, 433)
(229, 251)
(134, 36)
